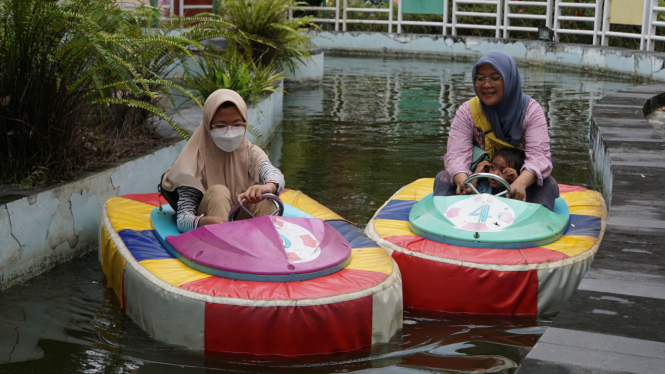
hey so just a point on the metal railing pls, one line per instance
(166, 9)
(389, 22)
(556, 12)
(183, 7)
(508, 14)
(496, 15)
(328, 8)
(649, 33)
(558, 30)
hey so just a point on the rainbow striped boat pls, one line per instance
(484, 254)
(356, 306)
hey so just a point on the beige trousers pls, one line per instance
(217, 201)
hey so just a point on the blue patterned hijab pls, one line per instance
(506, 117)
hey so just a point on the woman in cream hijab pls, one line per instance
(219, 166)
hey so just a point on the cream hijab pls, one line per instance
(202, 165)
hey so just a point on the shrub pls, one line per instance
(45, 83)
(80, 78)
(287, 44)
(230, 71)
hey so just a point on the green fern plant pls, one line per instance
(229, 71)
(267, 20)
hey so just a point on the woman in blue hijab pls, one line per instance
(500, 116)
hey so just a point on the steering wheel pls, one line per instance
(279, 207)
(468, 180)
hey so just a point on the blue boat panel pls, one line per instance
(396, 210)
(144, 245)
(583, 225)
(355, 237)
(291, 211)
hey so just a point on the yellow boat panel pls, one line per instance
(416, 191)
(309, 205)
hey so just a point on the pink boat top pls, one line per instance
(266, 245)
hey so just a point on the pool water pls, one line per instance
(372, 127)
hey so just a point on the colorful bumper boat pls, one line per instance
(486, 254)
(306, 282)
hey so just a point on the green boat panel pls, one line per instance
(486, 221)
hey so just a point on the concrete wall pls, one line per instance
(309, 73)
(643, 65)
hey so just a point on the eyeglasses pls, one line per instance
(236, 127)
(479, 80)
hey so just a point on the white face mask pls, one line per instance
(229, 141)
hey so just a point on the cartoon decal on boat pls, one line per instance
(482, 213)
(300, 244)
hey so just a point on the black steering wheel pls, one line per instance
(279, 207)
(468, 180)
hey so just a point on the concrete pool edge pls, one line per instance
(593, 59)
(613, 322)
(50, 225)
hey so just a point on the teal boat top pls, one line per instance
(487, 221)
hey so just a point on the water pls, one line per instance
(374, 126)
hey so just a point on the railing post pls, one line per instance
(182, 7)
(645, 26)
(399, 16)
(557, 24)
(390, 16)
(604, 41)
(652, 28)
(597, 15)
(506, 20)
(453, 26)
(498, 19)
(548, 14)
(344, 15)
(445, 17)
(336, 15)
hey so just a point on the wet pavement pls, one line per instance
(615, 322)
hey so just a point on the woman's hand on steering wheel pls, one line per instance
(519, 186)
(253, 193)
(461, 189)
(518, 191)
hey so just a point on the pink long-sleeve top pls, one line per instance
(535, 138)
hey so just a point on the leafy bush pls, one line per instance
(80, 82)
(46, 83)
(279, 40)
(229, 71)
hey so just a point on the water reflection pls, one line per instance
(374, 126)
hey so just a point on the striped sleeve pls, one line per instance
(270, 174)
(188, 202)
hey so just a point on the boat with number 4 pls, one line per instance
(486, 254)
(301, 281)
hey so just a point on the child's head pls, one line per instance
(505, 158)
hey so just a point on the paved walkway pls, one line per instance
(615, 322)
